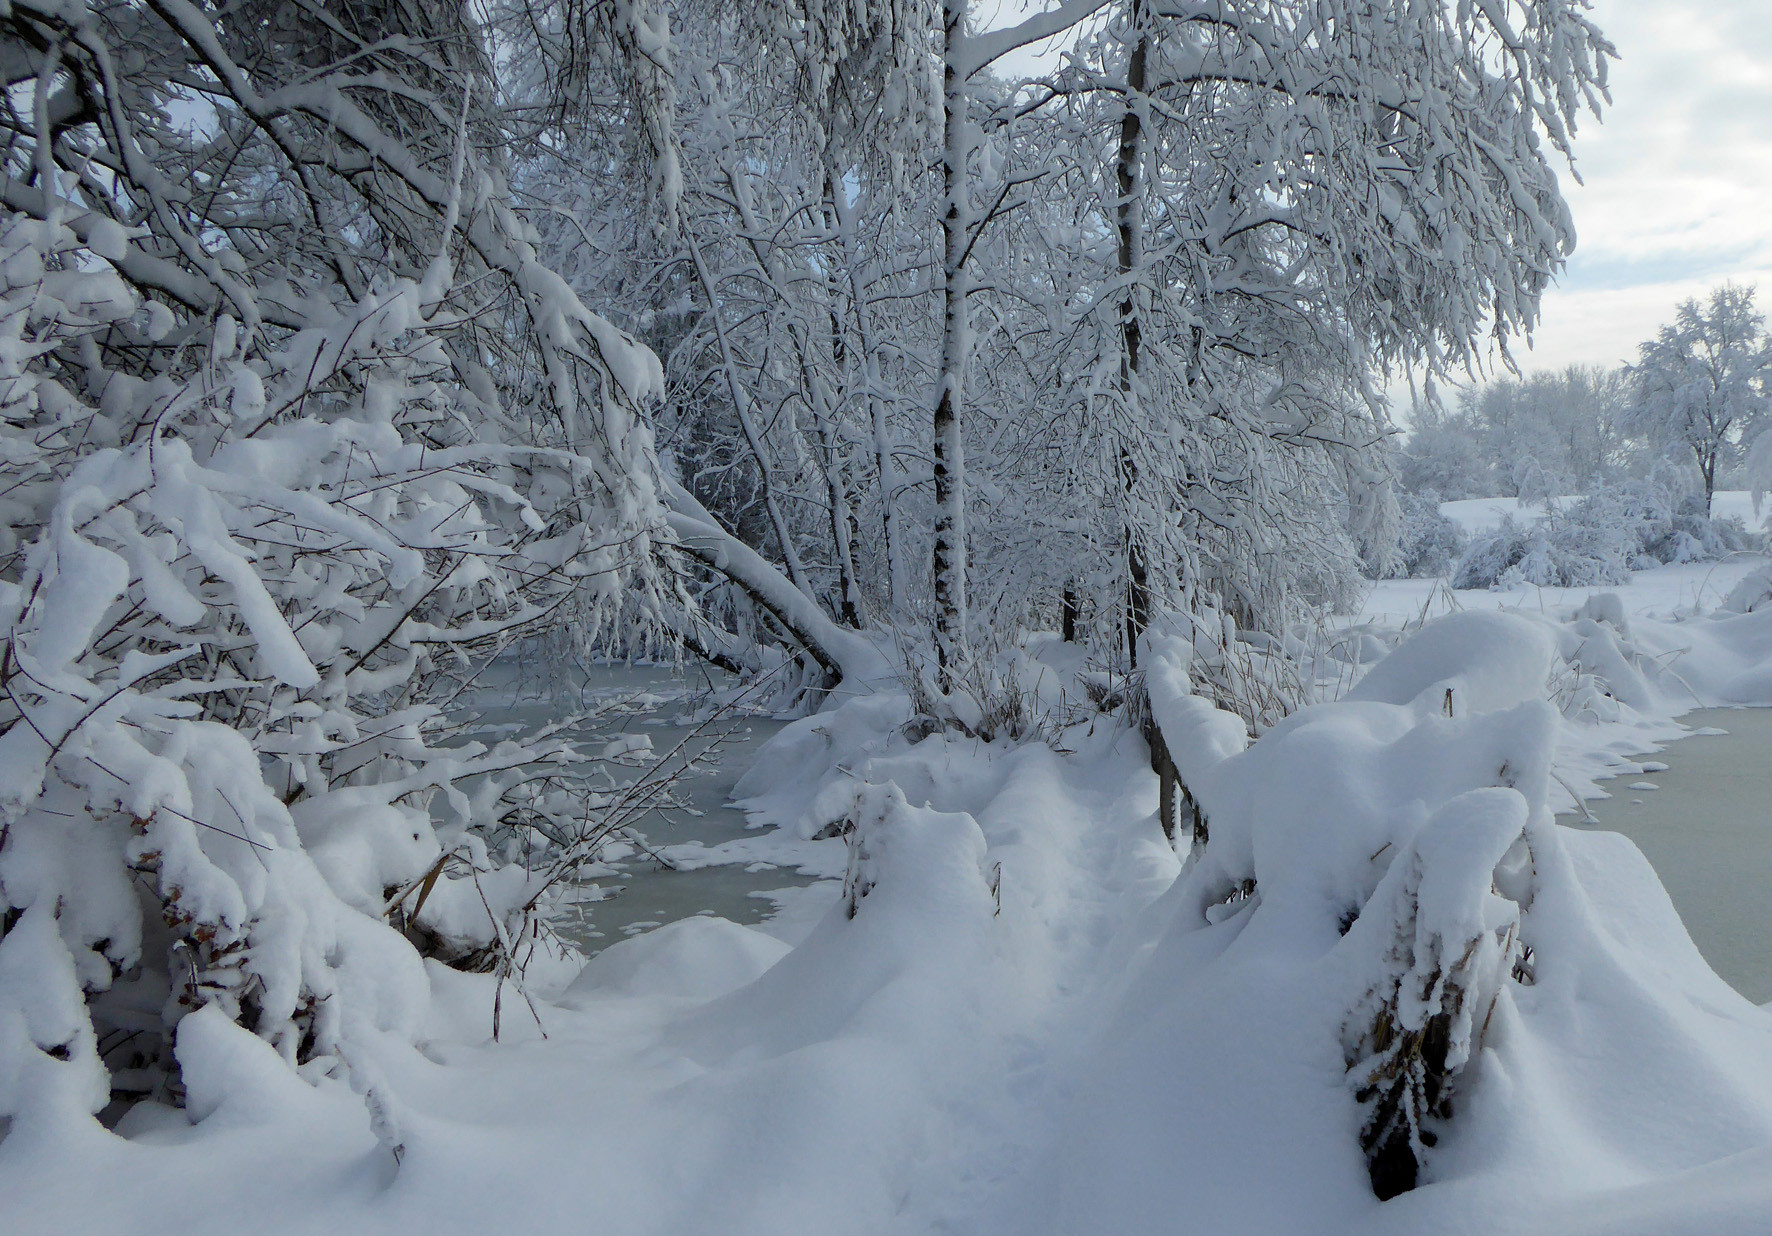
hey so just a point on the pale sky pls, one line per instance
(1678, 192)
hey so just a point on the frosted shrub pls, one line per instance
(1600, 540)
(283, 460)
(1390, 847)
(235, 606)
(1429, 544)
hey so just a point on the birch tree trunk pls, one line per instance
(950, 465)
(1129, 169)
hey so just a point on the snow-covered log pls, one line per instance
(844, 655)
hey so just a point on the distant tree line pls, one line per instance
(1685, 415)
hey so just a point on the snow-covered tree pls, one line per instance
(297, 431)
(1147, 298)
(1550, 432)
(1701, 383)
(1277, 190)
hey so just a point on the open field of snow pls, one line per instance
(1477, 515)
(1662, 592)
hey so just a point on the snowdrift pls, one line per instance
(1385, 966)
(1387, 941)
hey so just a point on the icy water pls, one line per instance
(645, 893)
(1707, 830)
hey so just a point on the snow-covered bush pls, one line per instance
(1453, 939)
(1392, 845)
(1751, 594)
(1429, 544)
(237, 605)
(279, 469)
(1600, 540)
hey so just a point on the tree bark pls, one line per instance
(950, 465)
(1129, 169)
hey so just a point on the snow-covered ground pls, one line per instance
(1477, 515)
(1018, 1020)
(1661, 605)
(1662, 592)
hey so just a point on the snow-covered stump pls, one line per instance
(1447, 939)
(1387, 848)
(1186, 733)
(889, 839)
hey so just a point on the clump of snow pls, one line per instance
(1497, 660)
(802, 781)
(694, 958)
(1197, 734)
(1753, 592)
(232, 1075)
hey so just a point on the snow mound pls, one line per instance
(801, 780)
(694, 958)
(1473, 661)
(1389, 973)
(232, 1075)
(1197, 734)
(893, 953)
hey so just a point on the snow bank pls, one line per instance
(1471, 662)
(1197, 734)
(1388, 959)
(1385, 965)
(694, 958)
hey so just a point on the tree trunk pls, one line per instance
(950, 466)
(1129, 168)
(1129, 177)
(840, 652)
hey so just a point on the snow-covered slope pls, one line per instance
(1477, 515)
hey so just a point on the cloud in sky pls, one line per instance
(1678, 192)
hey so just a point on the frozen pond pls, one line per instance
(1707, 829)
(644, 892)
